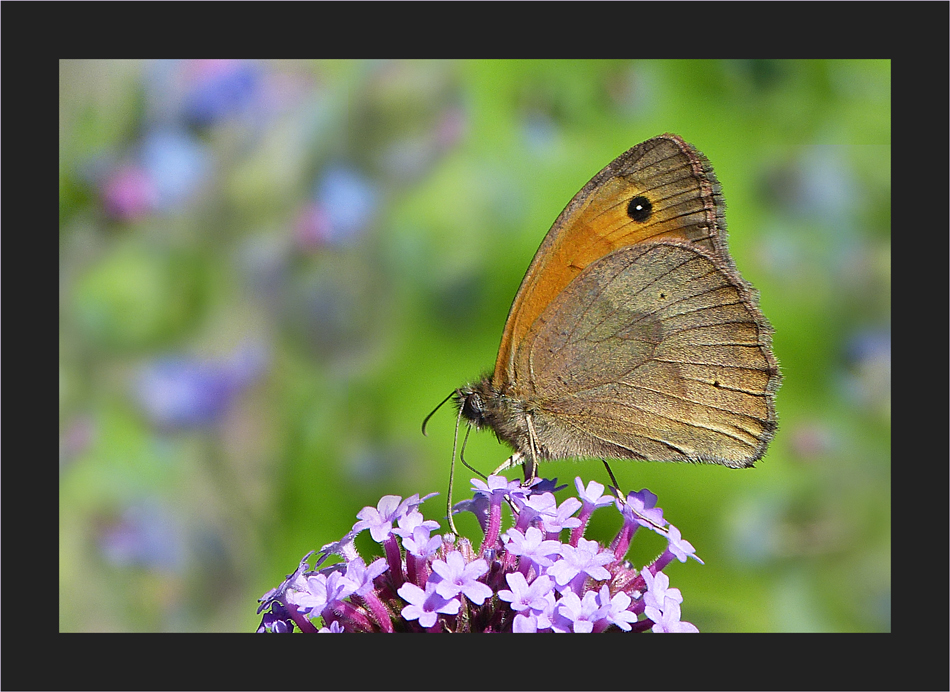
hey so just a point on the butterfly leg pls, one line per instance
(530, 462)
(531, 468)
(513, 460)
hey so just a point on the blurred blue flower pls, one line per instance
(219, 89)
(540, 131)
(828, 189)
(870, 345)
(182, 392)
(349, 200)
(868, 380)
(177, 164)
(145, 535)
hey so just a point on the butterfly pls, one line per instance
(633, 335)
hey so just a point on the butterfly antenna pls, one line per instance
(455, 441)
(426, 421)
(616, 485)
(462, 456)
(620, 496)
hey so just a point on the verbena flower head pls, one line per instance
(526, 579)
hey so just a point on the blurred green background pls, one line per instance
(271, 272)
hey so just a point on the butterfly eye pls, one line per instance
(472, 407)
(639, 209)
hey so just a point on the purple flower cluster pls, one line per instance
(522, 580)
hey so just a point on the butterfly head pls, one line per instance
(472, 401)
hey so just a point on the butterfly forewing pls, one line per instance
(662, 188)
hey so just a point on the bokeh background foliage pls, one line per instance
(270, 272)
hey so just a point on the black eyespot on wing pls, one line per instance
(639, 209)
